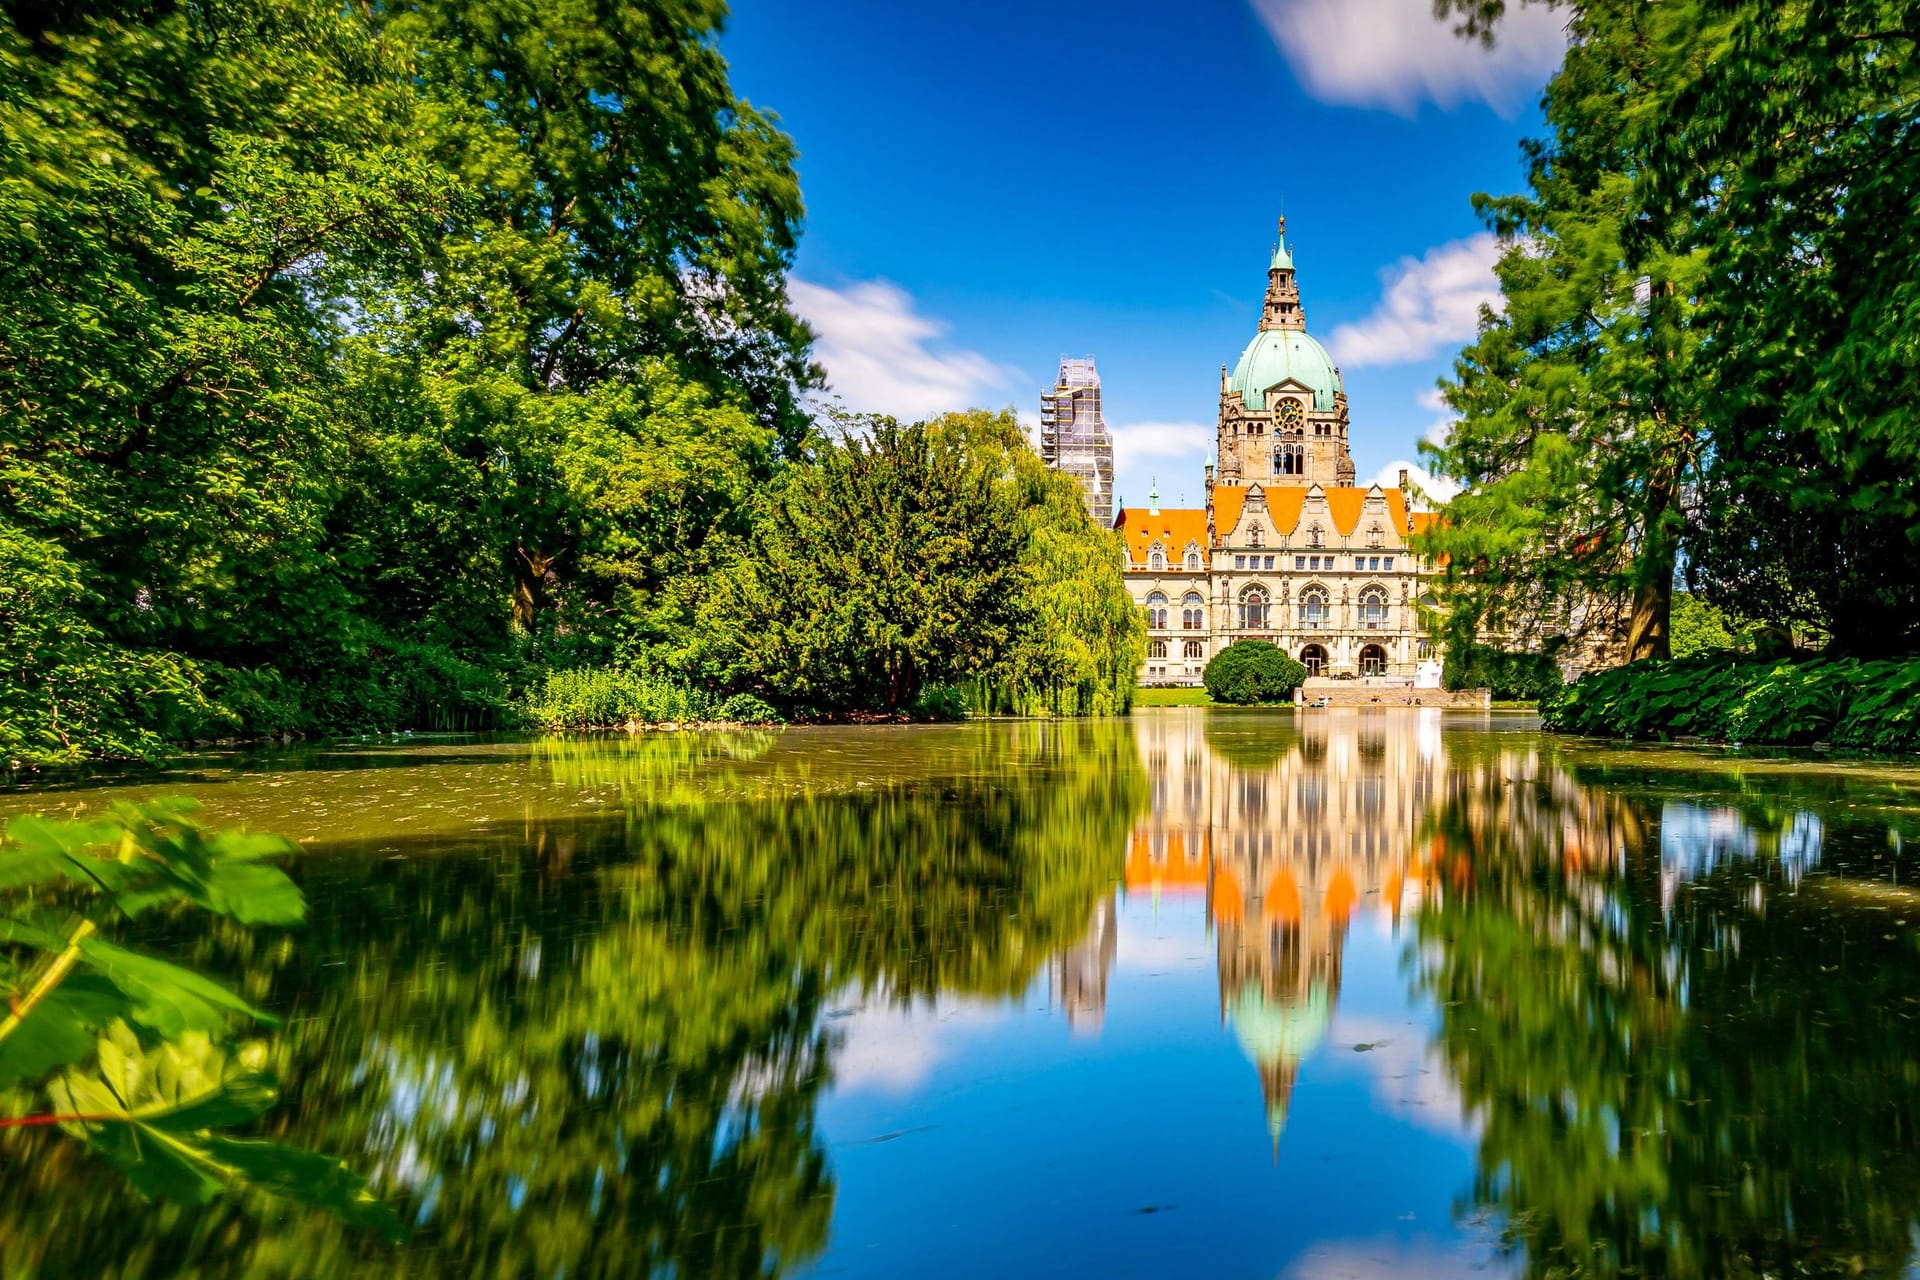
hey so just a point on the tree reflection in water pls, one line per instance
(1676, 998)
(1687, 1056)
(595, 1047)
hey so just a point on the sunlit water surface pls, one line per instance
(1201, 993)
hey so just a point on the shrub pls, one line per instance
(744, 708)
(942, 702)
(600, 697)
(1252, 671)
(1871, 705)
(1533, 676)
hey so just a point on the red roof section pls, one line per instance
(1345, 504)
(1173, 528)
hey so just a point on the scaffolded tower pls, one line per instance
(1073, 435)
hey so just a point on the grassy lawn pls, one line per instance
(1514, 704)
(1195, 697)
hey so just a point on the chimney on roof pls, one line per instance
(1403, 479)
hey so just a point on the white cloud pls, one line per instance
(882, 356)
(1396, 54)
(893, 1049)
(1386, 1258)
(1438, 489)
(1442, 426)
(1411, 1079)
(1138, 440)
(1428, 305)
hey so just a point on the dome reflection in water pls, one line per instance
(1196, 993)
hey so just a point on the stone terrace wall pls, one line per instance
(1355, 693)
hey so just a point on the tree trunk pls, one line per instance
(1649, 626)
(529, 585)
(1647, 635)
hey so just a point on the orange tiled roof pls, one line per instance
(1173, 529)
(1180, 871)
(1280, 900)
(1423, 521)
(1229, 900)
(1345, 503)
(1341, 896)
(1227, 501)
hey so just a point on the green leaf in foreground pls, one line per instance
(151, 1114)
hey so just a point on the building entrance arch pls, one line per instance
(1314, 659)
(1373, 660)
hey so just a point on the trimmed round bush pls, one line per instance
(1252, 671)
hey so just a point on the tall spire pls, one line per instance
(1282, 309)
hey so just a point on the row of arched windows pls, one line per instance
(1191, 650)
(1193, 612)
(1157, 560)
(1315, 609)
(1255, 605)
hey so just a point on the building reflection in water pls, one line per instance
(1289, 828)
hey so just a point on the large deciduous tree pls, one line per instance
(1578, 431)
(938, 553)
(187, 197)
(1771, 144)
(608, 342)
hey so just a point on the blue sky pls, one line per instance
(994, 185)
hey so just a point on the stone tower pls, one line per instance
(1283, 409)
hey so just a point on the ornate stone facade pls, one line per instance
(1287, 549)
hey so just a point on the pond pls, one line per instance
(1317, 994)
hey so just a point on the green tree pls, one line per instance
(176, 252)
(1698, 627)
(1251, 671)
(1082, 638)
(1578, 429)
(130, 1053)
(605, 362)
(1766, 143)
(898, 558)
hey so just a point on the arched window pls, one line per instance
(1193, 650)
(1373, 607)
(1314, 659)
(1373, 661)
(1156, 648)
(1157, 612)
(1314, 612)
(1195, 611)
(1157, 558)
(1193, 559)
(1256, 536)
(1253, 609)
(1290, 460)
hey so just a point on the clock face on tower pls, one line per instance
(1290, 415)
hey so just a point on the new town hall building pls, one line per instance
(1287, 549)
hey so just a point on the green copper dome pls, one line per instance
(1276, 1031)
(1274, 356)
